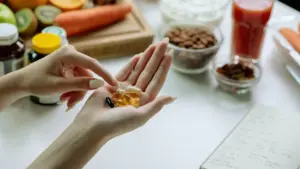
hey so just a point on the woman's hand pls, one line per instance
(146, 71)
(64, 71)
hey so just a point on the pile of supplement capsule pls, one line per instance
(130, 96)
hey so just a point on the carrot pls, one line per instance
(82, 21)
(299, 28)
(292, 37)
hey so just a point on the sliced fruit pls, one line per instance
(26, 21)
(20, 4)
(46, 14)
(68, 5)
(6, 15)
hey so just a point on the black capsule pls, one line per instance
(109, 102)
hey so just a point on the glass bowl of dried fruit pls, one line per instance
(194, 45)
(236, 76)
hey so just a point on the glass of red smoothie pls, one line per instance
(250, 18)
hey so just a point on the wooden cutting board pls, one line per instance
(128, 37)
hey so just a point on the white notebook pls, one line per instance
(266, 138)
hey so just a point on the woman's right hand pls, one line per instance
(64, 71)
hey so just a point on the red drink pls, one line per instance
(250, 18)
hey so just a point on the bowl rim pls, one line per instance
(225, 5)
(186, 24)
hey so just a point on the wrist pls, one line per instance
(18, 84)
(11, 89)
(72, 149)
(89, 130)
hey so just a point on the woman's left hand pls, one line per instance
(64, 71)
(148, 72)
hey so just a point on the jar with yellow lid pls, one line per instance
(44, 44)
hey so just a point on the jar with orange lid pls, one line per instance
(44, 44)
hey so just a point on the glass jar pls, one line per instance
(12, 49)
(44, 44)
(191, 60)
(236, 84)
(250, 19)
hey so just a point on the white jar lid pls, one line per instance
(8, 34)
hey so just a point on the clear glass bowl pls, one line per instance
(204, 11)
(192, 61)
(235, 86)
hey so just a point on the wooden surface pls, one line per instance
(128, 37)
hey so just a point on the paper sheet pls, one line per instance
(265, 139)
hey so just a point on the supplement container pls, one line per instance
(42, 45)
(12, 49)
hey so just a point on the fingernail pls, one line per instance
(166, 40)
(118, 85)
(69, 73)
(172, 99)
(96, 83)
(69, 108)
(171, 52)
(62, 101)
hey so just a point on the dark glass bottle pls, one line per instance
(12, 49)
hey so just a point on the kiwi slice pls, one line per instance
(26, 21)
(46, 14)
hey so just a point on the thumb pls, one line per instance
(150, 109)
(79, 84)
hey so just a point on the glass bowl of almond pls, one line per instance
(194, 45)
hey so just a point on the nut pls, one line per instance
(191, 38)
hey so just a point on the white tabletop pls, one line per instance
(181, 136)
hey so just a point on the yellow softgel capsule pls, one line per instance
(127, 97)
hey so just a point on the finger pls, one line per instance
(159, 78)
(77, 84)
(82, 60)
(67, 72)
(152, 108)
(141, 64)
(78, 71)
(111, 89)
(65, 96)
(152, 65)
(125, 71)
(75, 98)
(82, 72)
